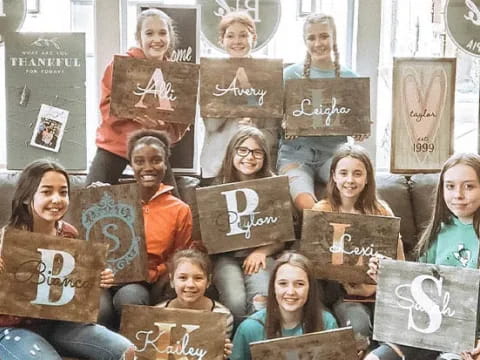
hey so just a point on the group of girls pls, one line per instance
(283, 295)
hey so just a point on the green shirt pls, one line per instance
(252, 329)
(456, 245)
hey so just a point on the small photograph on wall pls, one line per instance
(48, 131)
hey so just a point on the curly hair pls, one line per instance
(148, 137)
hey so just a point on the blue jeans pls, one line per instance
(237, 290)
(306, 159)
(55, 338)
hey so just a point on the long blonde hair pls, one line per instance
(322, 19)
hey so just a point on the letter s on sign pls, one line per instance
(430, 307)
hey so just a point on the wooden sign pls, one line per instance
(340, 244)
(423, 113)
(241, 87)
(462, 19)
(50, 277)
(426, 306)
(338, 344)
(327, 106)
(246, 214)
(113, 215)
(160, 89)
(45, 93)
(162, 333)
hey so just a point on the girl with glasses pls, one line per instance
(241, 277)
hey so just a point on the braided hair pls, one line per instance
(326, 19)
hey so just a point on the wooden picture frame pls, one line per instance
(50, 277)
(317, 107)
(113, 215)
(158, 332)
(241, 87)
(245, 214)
(423, 114)
(340, 244)
(158, 89)
(448, 295)
(338, 344)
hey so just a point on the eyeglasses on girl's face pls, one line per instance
(243, 151)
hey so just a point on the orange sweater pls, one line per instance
(168, 228)
(112, 132)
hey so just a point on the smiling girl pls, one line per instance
(167, 221)
(451, 238)
(39, 203)
(156, 40)
(237, 35)
(307, 158)
(293, 307)
(241, 277)
(351, 189)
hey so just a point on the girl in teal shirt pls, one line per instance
(293, 307)
(451, 239)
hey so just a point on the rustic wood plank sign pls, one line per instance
(162, 333)
(113, 215)
(340, 244)
(327, 106)
(235, 87)
(245, 214)
(50, 277)
(423, 114)
(338, 344)
(426, 306)
(160, 89)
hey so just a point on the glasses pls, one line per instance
(244, 152)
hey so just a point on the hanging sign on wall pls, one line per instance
(462, 19)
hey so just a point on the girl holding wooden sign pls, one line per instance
(307, 158)
(39, 203)
(293, 307)
(451, 238)
(237, 34)
(167, 221)
(351, 189)
(156, 39)
(241, 277)
(190, 273)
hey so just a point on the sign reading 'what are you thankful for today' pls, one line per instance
(45, 98)
(246, 214)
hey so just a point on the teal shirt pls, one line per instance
(456, 245)
(252, 329)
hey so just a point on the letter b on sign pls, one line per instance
(45, 279)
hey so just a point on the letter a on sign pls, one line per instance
(156, 86)
(43, 290)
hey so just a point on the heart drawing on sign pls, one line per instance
(423, 97)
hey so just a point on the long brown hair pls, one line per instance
(441, 213)
(324, 19)
(168, 21)
(228, 173)
(312, 310)
(27, 185)
(367, 202)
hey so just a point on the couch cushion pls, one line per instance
(394, 189)
(423, 187)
